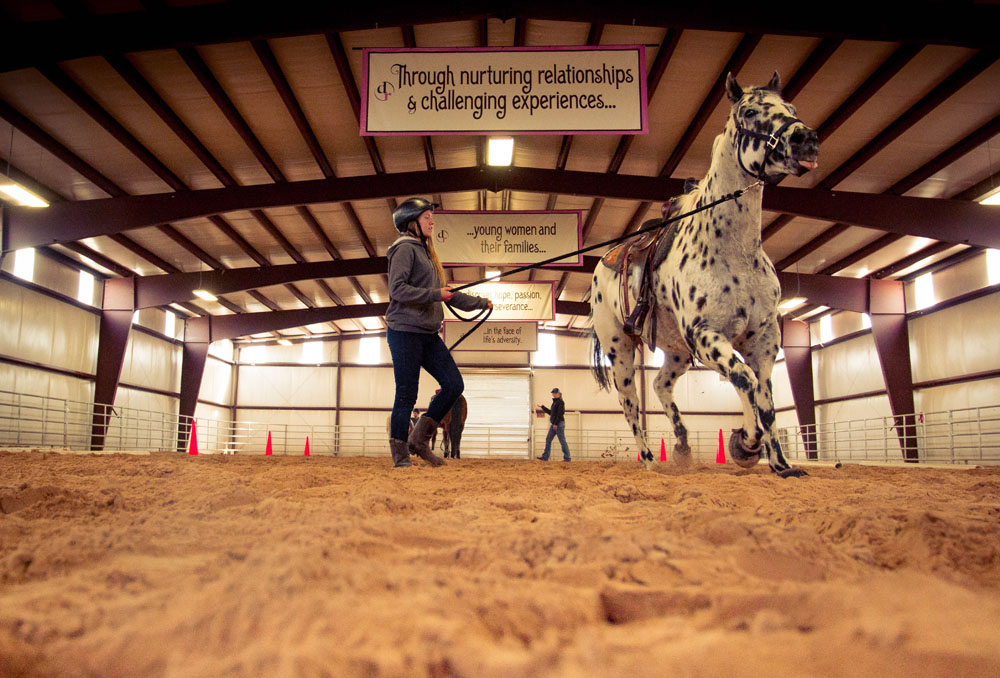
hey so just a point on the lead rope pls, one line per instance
(658, 225)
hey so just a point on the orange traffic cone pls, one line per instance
(720, 456)
(269, 449)
(193, 447)
(663, 450)
(307, 446)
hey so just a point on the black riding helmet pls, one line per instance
(410, 210)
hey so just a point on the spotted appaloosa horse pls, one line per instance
(716, 292)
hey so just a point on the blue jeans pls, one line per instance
(411, 351)
(556, 430)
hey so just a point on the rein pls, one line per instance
(726, 198)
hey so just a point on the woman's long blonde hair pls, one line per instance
(414, 230)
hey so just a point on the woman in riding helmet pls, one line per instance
(414, 317)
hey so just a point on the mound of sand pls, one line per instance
(226, 566)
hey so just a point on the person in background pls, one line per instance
(414, 317)
(557, 425)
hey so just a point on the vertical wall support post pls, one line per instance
(116, 321)
(197, 338)
(887, 307)
(798, 360)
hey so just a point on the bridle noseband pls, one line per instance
(771, 142)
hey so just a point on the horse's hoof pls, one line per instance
(792, 472)
(741, 455)
(681, 455)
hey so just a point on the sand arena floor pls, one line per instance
(227, 566)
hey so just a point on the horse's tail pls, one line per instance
(597, 364)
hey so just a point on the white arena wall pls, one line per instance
(49, 344)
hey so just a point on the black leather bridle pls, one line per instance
(771, 142)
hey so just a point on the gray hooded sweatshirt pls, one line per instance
(415, 290)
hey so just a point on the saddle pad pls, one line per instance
(613, 256)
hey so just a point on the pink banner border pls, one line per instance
(552, 284)
(643, 103)
(458, 348)
(579, 236)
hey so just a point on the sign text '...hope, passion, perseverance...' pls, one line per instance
(549, 90)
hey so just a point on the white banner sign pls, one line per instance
(491, 336)
(518, 300)
(507, 238)
(514, 90)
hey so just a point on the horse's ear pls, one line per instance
(775, 83)
(733, 89)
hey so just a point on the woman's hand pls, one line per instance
(489, 303)
(446, 294)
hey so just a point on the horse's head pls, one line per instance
(771, 141)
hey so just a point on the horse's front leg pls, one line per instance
(760, 355)
(716, 352)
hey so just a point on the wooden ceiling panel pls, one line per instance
(239, 70)
(401, 153)
(452, 151)
(447, 34)
(921, 74)
(844, 72)
(524, 200)
(971, 108)
(843, 245)
(793, 236)
(591, 152)
(611, 221)
(967, 171)
(60, 118)
(544, 32)
(458, 200)
(166, 71)
(499, 33)
(154, 240)
(311, 71)
(116, 97)
(538, 150)
(687, 81)
(23, 153)
(650, 36)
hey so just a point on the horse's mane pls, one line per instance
(688, 201)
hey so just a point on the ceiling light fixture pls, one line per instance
(500, 151)
(205, 294)
(19, 195)
(789, 304)
(991, 198)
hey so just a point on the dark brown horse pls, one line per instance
(452, 426)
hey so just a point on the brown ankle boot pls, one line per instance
(400, 453)
(419, 441)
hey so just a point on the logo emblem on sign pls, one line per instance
(384, 91)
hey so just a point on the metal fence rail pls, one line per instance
(961, 436)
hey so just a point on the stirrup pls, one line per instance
(633, 323)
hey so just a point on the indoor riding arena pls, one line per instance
(788, 224)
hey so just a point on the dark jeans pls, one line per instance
(557, 430)
(411, 351)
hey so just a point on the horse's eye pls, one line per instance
(750, 113)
